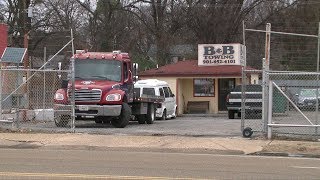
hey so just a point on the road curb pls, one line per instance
(146, 149)
(284, 154)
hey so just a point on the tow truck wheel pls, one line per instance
(98, 120)
(231, 114)
(124, 117)
(151, 114)
(62, 120)
(247, 132)
(141, 119)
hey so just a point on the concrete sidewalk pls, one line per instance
(216, 145)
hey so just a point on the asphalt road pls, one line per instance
(79, 164)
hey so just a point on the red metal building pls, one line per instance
(3, 37)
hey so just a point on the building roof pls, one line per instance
(191, 68)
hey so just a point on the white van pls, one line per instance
(168, 108)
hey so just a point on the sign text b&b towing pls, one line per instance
(221, 54)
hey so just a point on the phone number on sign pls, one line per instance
(219, 61)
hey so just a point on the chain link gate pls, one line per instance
(295, 102)
(28, 95)
(294, 110)
(296, 56)
(251, 104)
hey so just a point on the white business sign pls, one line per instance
(221, 54)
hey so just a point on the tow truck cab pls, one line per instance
(103, 89)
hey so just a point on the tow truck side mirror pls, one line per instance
(135, 71)
(59, 68)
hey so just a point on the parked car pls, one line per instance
(168, 108)
(307, 98)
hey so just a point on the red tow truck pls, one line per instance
(103, 92)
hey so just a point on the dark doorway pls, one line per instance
(225, 86)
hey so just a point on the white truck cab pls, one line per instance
(167, 109)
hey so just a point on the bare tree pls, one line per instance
(160, 19)
(137, 25)
(106, 24)
(292, 52)
(14, 14)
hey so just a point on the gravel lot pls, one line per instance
(190, 125)
(186, 126)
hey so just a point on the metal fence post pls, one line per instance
(263, 92)
(243, 112)
(318, 59)
(44, 80)
(1, 92)
(266, 79)
(243, 80)
(73, 86)
(17, 118)
(270, 109)
(72, 96)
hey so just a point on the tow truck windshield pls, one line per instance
(93, 69)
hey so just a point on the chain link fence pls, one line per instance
(251, 105)
(292, 64)
(28, 94)
(28, 104)
(295, 103)
(289, 51)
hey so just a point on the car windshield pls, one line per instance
(308, 92)
(92, 69)
(148, 91)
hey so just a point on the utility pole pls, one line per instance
(25, 33)
(26, 26)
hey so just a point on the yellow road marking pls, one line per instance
(85, 176)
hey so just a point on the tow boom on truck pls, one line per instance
(104, 91)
